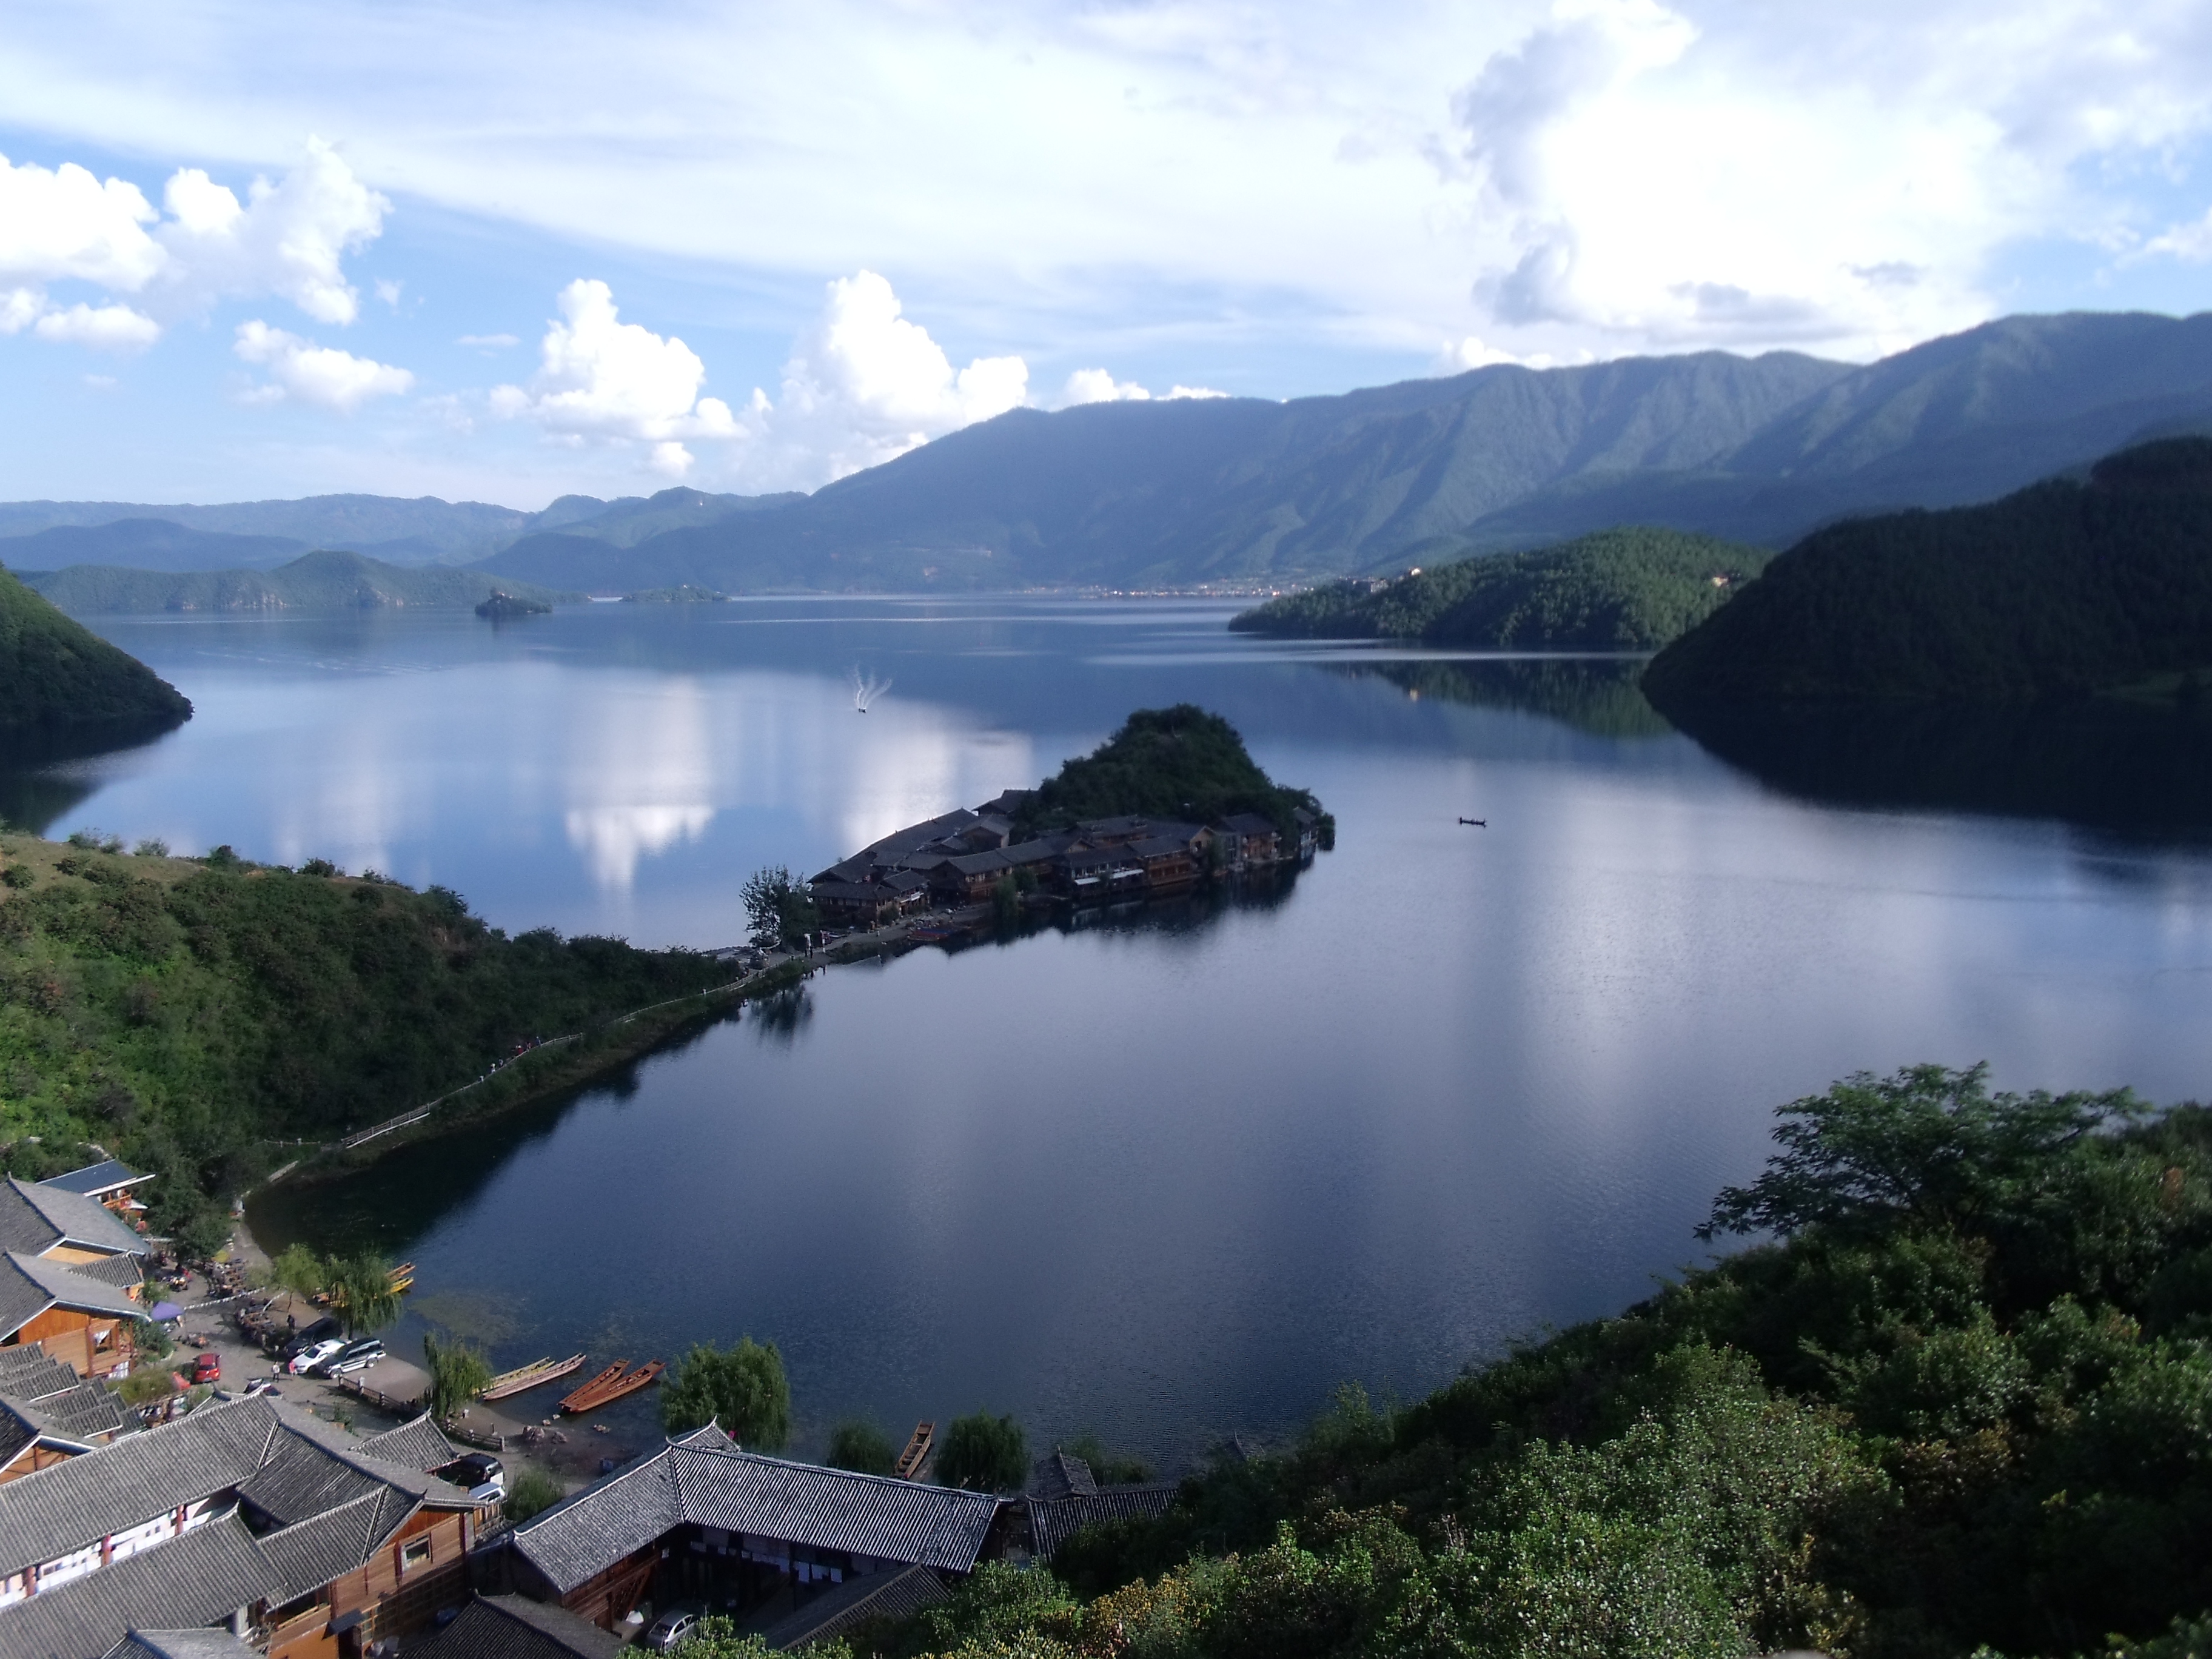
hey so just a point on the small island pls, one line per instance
(501, 606)
(326, 579)
(1631, 589)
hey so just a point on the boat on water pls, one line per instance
(581, 1399)
(535, 1374)
(611, 1385)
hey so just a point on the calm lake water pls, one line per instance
(1163, 1176)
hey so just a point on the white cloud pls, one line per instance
(301, 370)
(104, 328)
(290, 238)
(2191, 243)
(489, 341)
(1098, 386)
(601, 378)
(1178, 391)
(864, 384)
(65, 225)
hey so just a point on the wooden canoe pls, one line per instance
(909, 1466)
(535, 1374)
(603, 1389)
(582, 1399)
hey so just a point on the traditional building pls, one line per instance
(110, 1183)
(702, 1521)
(246, 1515)
(48, 1412)
(83, 1314)
(1064, 1498)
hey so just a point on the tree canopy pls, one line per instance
(1178, 763)
(742, 1387)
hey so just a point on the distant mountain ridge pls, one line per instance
(323, 581)
(1242, 491)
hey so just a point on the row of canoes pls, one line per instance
(611, 1384)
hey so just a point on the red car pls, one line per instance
(208, 1368)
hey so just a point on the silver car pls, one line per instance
(670, 1631)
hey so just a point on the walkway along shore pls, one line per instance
(571, 1061)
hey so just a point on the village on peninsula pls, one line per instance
(342, 1508)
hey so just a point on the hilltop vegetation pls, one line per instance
(1179, 763)
(316, 582)
(1965, 1397)
(60, 684)
(1632, 589)
(191, 1015)
(2064, 589)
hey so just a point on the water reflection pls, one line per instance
(2133, 770)
(1597, 695)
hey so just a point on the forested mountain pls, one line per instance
(314, 581)
(2060, 590)
(1191, 491)
(1616, 589)
(63, 688)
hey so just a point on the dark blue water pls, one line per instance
(1164, 1175)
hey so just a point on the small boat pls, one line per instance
(605, 1388)
(909, 1466)
(403, 1278)
(534, 1375)
(580, 1400)
(1479, 823)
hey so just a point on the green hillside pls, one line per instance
(1179, 763)
(1632, 589)
(60, 682)
(1960, 1403)
(316, 582)
(2065, 588)
(199, 1017)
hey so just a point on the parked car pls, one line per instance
(321, 1331)
(481, 1473)
(352, 1357)
(311, 1357)
(670, 1631)
(207, 1367)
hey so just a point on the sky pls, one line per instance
(502, 253)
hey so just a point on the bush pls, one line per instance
(532, 1493)
(861, 1447)
(983, 1453)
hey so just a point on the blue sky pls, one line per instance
(500, 252)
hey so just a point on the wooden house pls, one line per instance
(111, 1184)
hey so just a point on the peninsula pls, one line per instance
(323, 581)
(1632, 589)
(1169, 800)
(63, 688)
(2072, 587)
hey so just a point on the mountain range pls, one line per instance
(1244, 492)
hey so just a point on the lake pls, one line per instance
(1170, 1174)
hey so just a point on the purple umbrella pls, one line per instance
(167, 1310)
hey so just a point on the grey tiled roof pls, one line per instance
(121, 1271)
(72, 1289)
(36, 1218)
(82, 1412)
(61, 1507)
(206, 1574)
(1060, 1474)
(309, 1554)
(17, 1430)
(415, 1444)
(299, 1479)
(513, 1627)
(1248, 824)
(742, 1492)
(96, 1178)
(22, 1298)
(1054, 1521)
(894, 1595)
(180, 1644)
(27, 1370)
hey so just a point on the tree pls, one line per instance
(778, 909)
(299, 1272)
(458, 1375)
(361, 1293)
(983, 1453)
(1927, 1145)
(860, 1446)
(743, 1389)
(533, 1492)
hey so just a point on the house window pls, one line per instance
(415, 1553)
(103, 1339)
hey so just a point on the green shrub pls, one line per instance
(983, 1453)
